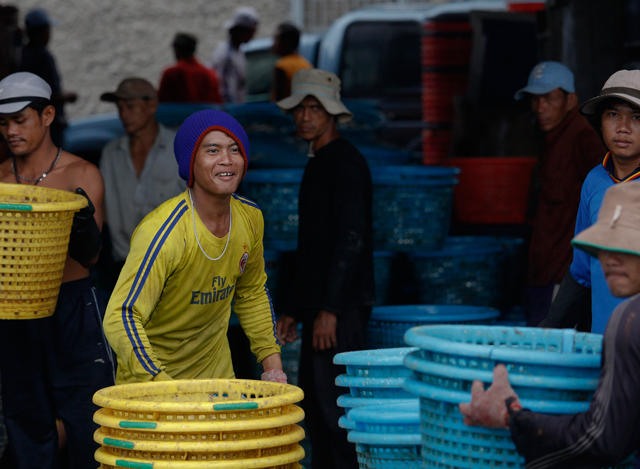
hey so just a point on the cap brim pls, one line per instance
(333, 107)
(11, 108)
(534, 89)
(112, 97)
(591, 107)
(602, 236)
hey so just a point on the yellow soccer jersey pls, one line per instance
(169, 313)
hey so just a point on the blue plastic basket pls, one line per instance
(411, 206)
(261, 118)
(376, 388)
(290, 354)
(348, 402)
(382, 156)
(276, 192)
(382, 263)
(388, 324)
(379, 363)
(269, 151)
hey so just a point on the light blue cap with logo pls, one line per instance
(546, 77)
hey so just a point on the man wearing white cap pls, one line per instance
(584, 288)
(228, 59)
(609, 431)
(51, 367)
(572, 149)
(333, 291)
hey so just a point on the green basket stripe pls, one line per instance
(236, 406)
(125, 424)
(24, 207)
(119, 443)
(134, 465)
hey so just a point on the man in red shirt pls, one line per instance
(188, 81)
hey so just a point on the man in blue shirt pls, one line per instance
(618, 106)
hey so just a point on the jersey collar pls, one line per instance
(607, 164)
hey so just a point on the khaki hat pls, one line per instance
(618, 225)
(322, 85)
(131, 88)
(624, 84)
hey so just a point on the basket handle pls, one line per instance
(23, 207)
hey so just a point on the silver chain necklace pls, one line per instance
(193, 216)
(44, 175)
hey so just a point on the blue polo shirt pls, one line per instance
(586, 269)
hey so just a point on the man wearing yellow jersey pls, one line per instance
(190, 258)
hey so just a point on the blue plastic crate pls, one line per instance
(385, 420)
(379, 363)
(411, 206)
(388, 324)
(382, 156)
(276, 192)
(376, 388)
(382, 262)
(348, 402)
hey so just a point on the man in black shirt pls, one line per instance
(333, 290)
(609, 431)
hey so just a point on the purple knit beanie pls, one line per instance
(193, 130)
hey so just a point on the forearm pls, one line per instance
(272, 362)
(571, 305)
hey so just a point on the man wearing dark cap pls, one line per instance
(52, 366)
(139, 169)
(37, 59)
(572, 149)
(584, 288)
(333, 292)
(285, 46)
(188, 81)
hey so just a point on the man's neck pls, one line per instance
(214, 211)
(326, 138)
(145, 136)
(624, 166)
(36, 163)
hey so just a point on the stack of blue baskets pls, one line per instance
(276, 192)
(388, 324)
(382, 263)
(374, 377)
(552, 371)
(386, 436)
(412, 206)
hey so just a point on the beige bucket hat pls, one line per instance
(624, 84)
(618, 225)
(322, 85)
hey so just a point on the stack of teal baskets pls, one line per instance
(388, 324)
(374, 377)
(386, 436)
(412, 206)
(382, 264)
(553, 371)
(276, 193)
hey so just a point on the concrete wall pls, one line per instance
(98, 43)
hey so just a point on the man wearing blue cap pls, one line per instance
(572, 149)
(39, 61)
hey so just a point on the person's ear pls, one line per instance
(48, 115)
(572, 100)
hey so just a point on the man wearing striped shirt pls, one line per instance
(190, 258)
(609, 431)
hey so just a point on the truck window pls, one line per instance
(259, 74)
(381, 59)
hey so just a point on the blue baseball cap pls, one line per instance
(546, 77)
(38, 17)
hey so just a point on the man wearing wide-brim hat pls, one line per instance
(584, 289)
(609, 432)
(333, 291)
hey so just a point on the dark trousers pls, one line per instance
(50, 369)
(329, 445)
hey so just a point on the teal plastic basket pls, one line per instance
(412, 206)
(382, 263)
(348, 402)
(388, 324)
(376, 388)
(379, 363)
(276, 192)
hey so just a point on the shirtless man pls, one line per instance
(51, 367)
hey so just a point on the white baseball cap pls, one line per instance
(18, 90)
(243, 16)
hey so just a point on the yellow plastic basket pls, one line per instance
(286, 460)
(35, 224)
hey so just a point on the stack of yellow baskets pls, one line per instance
(35, 225)
(203, 424)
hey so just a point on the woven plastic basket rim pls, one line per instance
(424, 390)
(218, 446)
(347, 400)
(432, 313)
(388, 254)
(102, 456)
(408, 413)
(360, 382)
(76, 203)
(419, 337)
(448, 251)
(295, 415)
(375, 357)
(416, 363)
(280, 176)
(345, 422)
(384, 439)
(108, 397)
(414, 175)
(489, 160)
